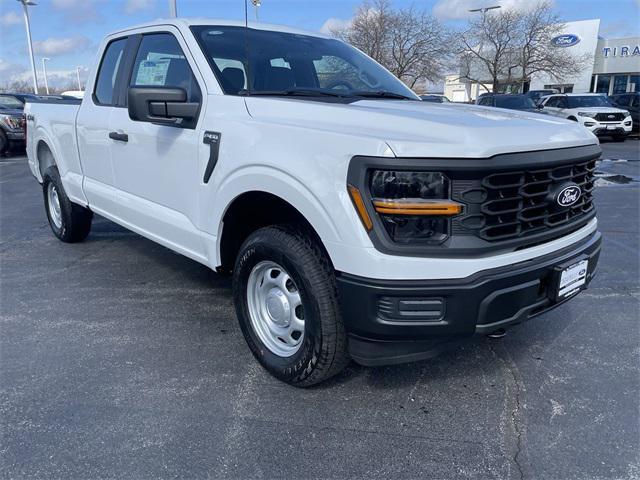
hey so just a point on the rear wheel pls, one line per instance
(69, 222)
(287, 305)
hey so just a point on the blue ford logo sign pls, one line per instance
(566, 40)
(568, 196)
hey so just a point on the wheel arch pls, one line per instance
(44, 157)
(250, 211)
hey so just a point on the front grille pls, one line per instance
(610, 117)
(517, 203)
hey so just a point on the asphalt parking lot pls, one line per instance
(121, 359)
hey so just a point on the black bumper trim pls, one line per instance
(480, 303)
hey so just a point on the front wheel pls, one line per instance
(287, 305)
(69, 222)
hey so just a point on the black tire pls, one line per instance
(4, 143)
(574, 119)
(323, 352)
(619, 138)
(75, 220)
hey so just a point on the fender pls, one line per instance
(280, 184)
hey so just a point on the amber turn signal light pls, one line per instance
(356, 198)
(444, 208)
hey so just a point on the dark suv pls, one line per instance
(630, 102)
(512, 102)
(11, 123)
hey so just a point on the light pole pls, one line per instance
(173, 9)
(485, 9)
(44, 72)
(25, 5)
(256, 4)
(78, 77)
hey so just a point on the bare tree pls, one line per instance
(509, 47)
(487, 48)
(537, 54)
(17, 86)
(408, 42)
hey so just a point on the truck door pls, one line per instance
(94, 145)
(156, 166)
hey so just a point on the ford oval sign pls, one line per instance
(566, 40)
(569, 195)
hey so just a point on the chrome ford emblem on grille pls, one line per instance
(569, 196)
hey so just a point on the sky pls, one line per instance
(69, 31)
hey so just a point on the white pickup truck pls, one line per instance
(358, 222)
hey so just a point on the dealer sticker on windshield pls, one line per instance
(572, 278)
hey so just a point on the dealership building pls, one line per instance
(615, 67)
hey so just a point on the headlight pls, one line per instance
(14, 123)
(414, 207)
(587, 114)
(626, 114)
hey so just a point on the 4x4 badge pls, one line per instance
(213, 140)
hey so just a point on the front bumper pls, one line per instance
(398, 321)
(604, 129)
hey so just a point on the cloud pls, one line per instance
(459, 9)
(9, 69)
(79, 10)
(333, 24)
(10, 18)
(133, 6)
(61, 46)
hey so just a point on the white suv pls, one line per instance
(592, 110)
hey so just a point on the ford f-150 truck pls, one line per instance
(357, 221)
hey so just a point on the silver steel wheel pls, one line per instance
(275, 308)
(54, 205)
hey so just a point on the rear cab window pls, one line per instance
(109, 66)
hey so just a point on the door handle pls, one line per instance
(120, 137)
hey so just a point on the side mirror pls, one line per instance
(161, 105)
(539, 106)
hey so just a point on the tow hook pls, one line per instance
(501, 332)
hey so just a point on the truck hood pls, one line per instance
(599, 109)
(424, 129)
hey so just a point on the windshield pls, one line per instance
(282, 63)
(10, 102)
(515, 102)
(588, 101)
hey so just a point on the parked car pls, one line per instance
(536, 95)
(11, 126)
(630, 102)
(592, 110)
(434, 98)
(17, 100)
(349, 233)
(511, 102)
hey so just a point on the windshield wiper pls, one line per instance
(379, 94)
(291, 92)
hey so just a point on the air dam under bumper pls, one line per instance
(395, 321)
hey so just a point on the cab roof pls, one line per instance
(191, 21)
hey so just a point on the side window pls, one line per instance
(562, 103)
(551, 102)
(484, 101)
(636, 101)
(106, 79)
(623, 100)
(160, 62)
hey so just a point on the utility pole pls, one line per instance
(44, 72)
(25, 5)
(78, 77)
(257, 4)
(482, 11)
(173, 9)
